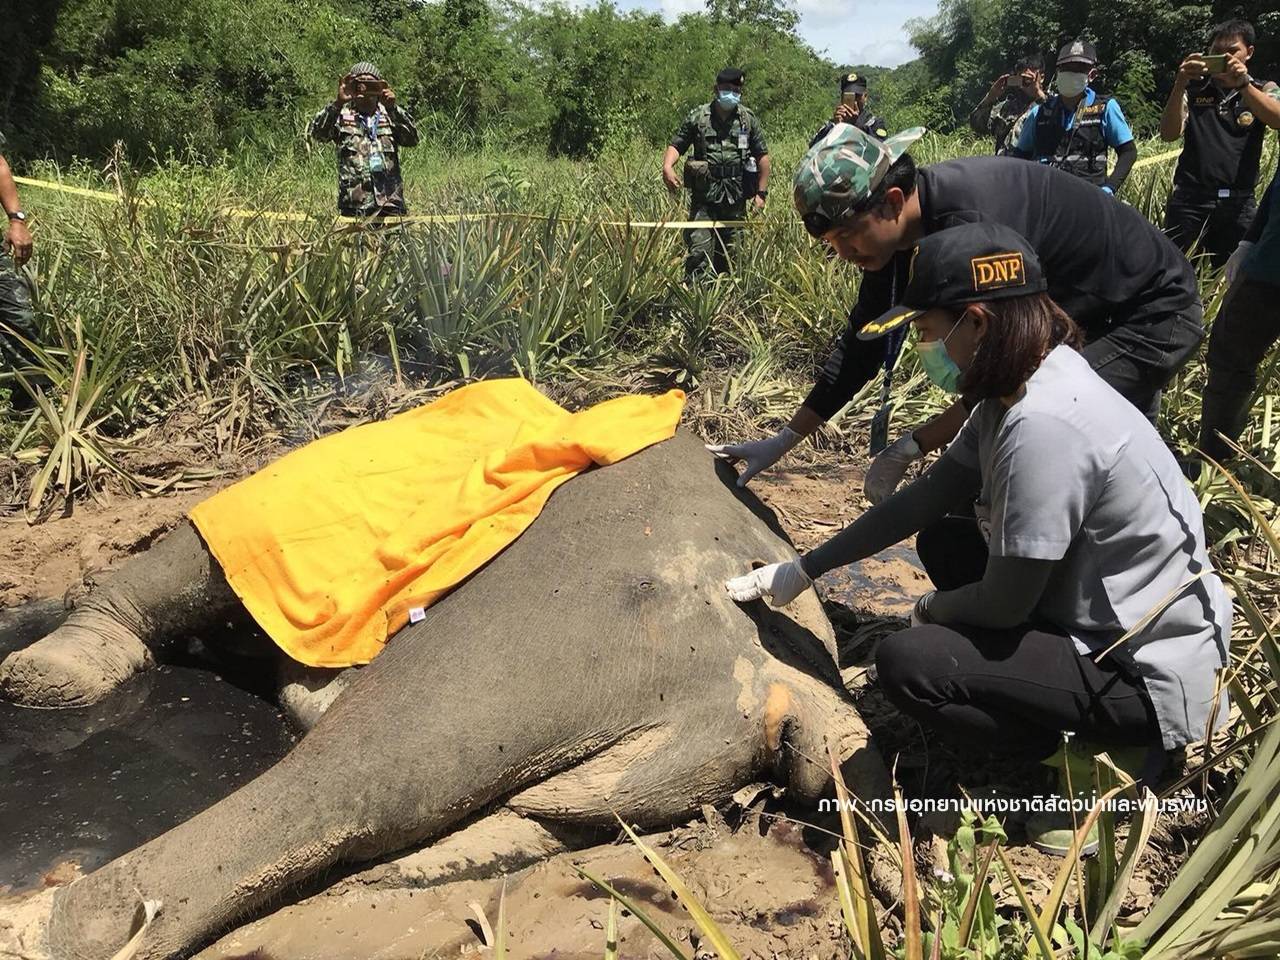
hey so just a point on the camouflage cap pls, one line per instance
(365, 69)
(842, 170)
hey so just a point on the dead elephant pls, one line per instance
(596, 666)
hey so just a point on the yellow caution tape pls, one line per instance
(1148, 161)
(291, 216)
(64, 188)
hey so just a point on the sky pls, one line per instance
(848, 31)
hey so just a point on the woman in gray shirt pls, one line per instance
(1075, 525)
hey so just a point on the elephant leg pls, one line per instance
(113, 633)
(307, 692)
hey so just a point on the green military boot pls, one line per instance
(1053, 831)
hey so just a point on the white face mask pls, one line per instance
(1071, 84)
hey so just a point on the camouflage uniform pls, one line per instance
(1003, 121)
(363, 190)
(15, 307)
(723, 152)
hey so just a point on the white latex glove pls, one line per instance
(920, 612)
(779, 583)
(759, 454)
(887, 469)
(1236, 258)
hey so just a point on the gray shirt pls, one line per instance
(1073, 473)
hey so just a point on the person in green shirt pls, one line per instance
(728, 171)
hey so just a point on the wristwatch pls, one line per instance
(17, 215)
(762, 194)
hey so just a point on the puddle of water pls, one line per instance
(88, 785)
(852, 587)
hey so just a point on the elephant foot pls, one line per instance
(78, 664)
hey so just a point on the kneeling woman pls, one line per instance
(1083, 526)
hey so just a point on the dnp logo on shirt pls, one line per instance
(998, 270)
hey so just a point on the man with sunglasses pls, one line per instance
(1115, 274)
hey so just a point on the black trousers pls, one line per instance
(1247, 327)
(1009, 692)
(1213, 225)
(1138, 359)
(16, 312)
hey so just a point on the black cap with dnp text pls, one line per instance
(853, 81)
(964, 264)
(731, 76)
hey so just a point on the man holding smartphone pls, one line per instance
(1003, 110)
(852, 108)
(1223, 113)
(369, 127)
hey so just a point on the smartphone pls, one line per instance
(370, 88)
(849, 99)
(1215, 62)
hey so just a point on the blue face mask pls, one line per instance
(937, 363)
(728, 98)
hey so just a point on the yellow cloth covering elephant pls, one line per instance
(334, 547)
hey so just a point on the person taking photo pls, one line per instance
(368, 127)
(1222, 115)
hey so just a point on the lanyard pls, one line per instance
(893, 345)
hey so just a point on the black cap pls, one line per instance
(964, 264)
(1078, 51)
(853, 81)
(730, 75)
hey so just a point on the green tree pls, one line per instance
(776, 15)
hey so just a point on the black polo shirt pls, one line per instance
(1222, 141)
(1105, 263)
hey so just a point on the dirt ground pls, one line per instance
(767, 882)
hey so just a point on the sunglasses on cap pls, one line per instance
(818, 223)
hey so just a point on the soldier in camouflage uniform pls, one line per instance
(369, 128)
(15, 298)
(1001, 112)
(729, 169)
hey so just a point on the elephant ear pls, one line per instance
(804, 726)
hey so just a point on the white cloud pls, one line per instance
(847, 31)
(675, 8)
(885, 53)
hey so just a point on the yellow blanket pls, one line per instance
(333, 546)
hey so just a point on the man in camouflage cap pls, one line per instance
(369, 127)
(1120, 278)
(1001, 113)
(852, 108)
(728, 171)
(16, 313)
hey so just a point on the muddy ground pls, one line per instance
(765, 879)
